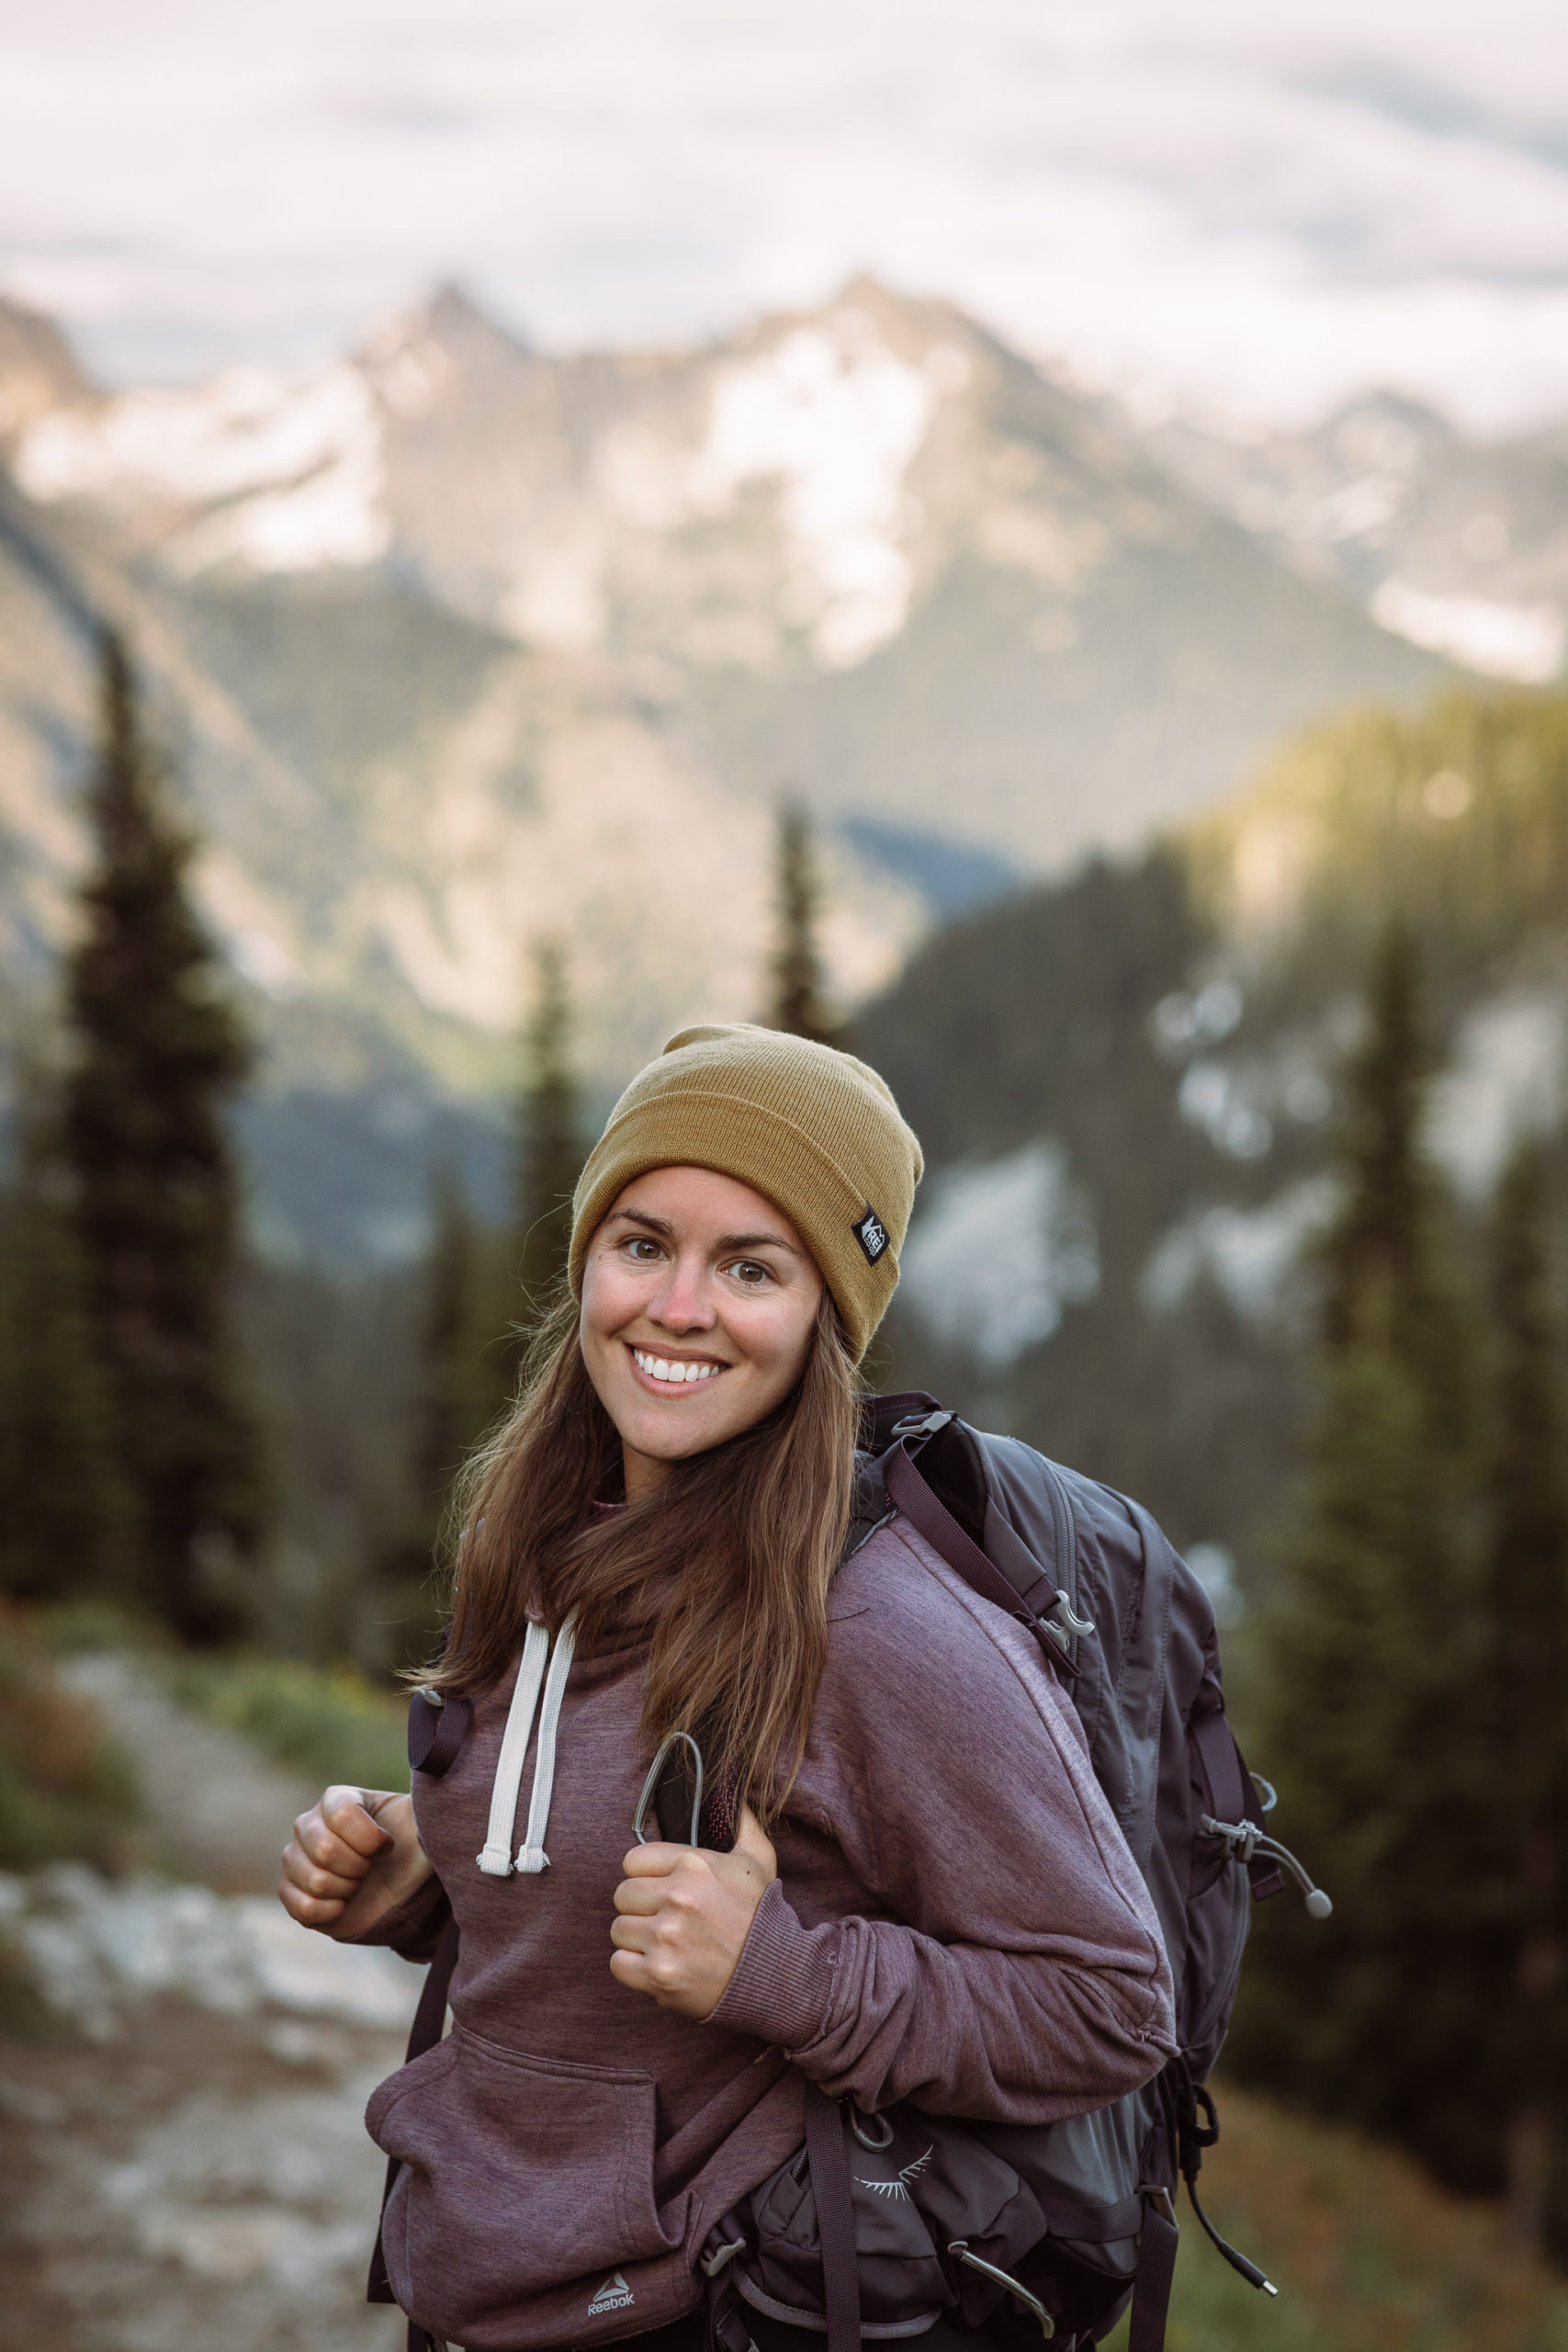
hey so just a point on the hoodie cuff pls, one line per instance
(412, 1927)
(784, 1979)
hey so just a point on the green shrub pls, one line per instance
(65, 1793)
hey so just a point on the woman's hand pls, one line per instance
(683, 1916)
(352, 1858)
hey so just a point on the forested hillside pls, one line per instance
(1128, 1084)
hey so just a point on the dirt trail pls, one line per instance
(182, 2163)
(217, 1811)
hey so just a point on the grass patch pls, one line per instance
(1366, 2255)
(333, 1725)
(65, 1792)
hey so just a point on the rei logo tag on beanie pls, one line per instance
(871, 1234)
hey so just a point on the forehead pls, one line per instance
(699, 1202)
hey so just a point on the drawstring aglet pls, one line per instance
(495, 1861)
(533, 1859)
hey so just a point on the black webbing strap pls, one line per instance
(1232, 1796)
(931, 1518)
(1152, 2280)
(436, 1733)
(830, 2162)
(423, 2034)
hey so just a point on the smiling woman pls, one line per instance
(909, 1884)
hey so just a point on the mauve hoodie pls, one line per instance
(956, 1921)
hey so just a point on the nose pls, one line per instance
(685, 1302)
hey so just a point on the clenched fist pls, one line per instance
(683, 1916)
(353, 1856)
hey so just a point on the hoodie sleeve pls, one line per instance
(411, 1927)
(1019, 1973)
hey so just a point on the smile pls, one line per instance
(673, 1373)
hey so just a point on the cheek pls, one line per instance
(780, 1343)
(610, 1298)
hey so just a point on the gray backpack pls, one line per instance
(882, 2225)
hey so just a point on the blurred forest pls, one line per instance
(1247, 1184)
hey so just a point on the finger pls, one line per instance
(343, 1809)
(310, 1910)
(303, 1871)
(652, 1861)
(632, 1935)
(640, 1898)
(630, 1969)
(326, 1850)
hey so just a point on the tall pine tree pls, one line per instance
(1528, 1616)
(156, 1053)
(796, 1004)
(62, 1504)
(551, 1157)
(1375, 1653)
(455, 1400)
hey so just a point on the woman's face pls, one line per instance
(699, 1302)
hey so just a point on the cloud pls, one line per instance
(1189, 200)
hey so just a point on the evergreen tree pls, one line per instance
(552, 1154)
(1530, 1620)
(458, 1398)
(62, 1515)
(455, 1401)
(1374, 1657)
(156, 1053)
(797, 967)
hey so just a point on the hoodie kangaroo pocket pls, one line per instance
(524, 2172)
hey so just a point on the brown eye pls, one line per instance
(747, 1271)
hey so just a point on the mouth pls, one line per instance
(674, 1376)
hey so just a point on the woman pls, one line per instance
(927, 1898)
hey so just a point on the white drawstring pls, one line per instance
(531, 1854)
(495, 1859)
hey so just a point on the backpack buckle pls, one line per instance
(1061, 1613)
(1159, 2195)
(920, 1424)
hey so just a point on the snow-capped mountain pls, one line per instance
(867, 549)
(1458, 545)
(456, 643)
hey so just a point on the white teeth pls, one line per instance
(677, 1375)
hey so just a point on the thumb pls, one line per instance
(752, 1841)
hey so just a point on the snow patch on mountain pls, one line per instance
(1525, 642)
(1508, 1080)
(836, 421)
(999, 1253)
(278, 473)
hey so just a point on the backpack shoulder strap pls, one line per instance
(992, 1559)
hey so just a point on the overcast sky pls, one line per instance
(1256, 206)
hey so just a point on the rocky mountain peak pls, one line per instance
(38, 370)
(436, 348)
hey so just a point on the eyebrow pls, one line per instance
(726, 1241)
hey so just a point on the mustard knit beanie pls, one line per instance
(813, 1129)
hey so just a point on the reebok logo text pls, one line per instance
(612, 2296)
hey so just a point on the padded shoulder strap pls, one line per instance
(1014, 1582)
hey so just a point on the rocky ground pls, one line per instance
(183, 2166)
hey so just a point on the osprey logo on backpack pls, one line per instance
(613, 2296)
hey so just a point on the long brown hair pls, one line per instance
(724, 1569)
